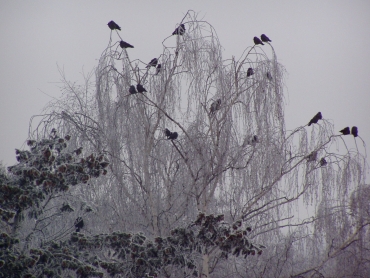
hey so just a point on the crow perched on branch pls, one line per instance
(323, 162)
(265, 38)
(170, 135)
(159, 66)
(179, 30)
(140, 88)
(79, 224)
(132, 90)
(167, 132)
(173, 136)
(312, 156)
(345, 131)
(257, 41)
(124, 44)
(216, 105)
(250, 72)
(112, 25)
(354, 131)
(152, 63)
(269, 76)
(315, 119)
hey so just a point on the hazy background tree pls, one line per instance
(235, 159)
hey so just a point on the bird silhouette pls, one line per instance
(79, 224)
(265, 38)
(124, 44)
(254, 139)
(323, 162)
(179, 30)
(158, 69)
(250, 72)
(269, 76)
(173, 136)
(312, 156)
(215, 106)
(140, 88)
(152, 63)
(132, 90)
(112, 25)
(170, 135)
(315, 119)
(345, 131)
(354, 131)
(167, 133)
(257, 41)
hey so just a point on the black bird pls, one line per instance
(254, 139)
(140, 88)
(269, 76)
(79, 224)
(265, 38)
(132, 90)
(354, 131)
(345, 131)
(167, 133)
(216, 105)
(179, 30)
(250, 72)
(112, 25)
(124, 44)
(315, 119)
(152, 63)
(159, 66)
(170, 135)
(323, 162)
(173, 136)
(257, 41)
(312, 156)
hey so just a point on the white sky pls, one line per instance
(324, 45)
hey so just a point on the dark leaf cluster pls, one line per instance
(47, 167)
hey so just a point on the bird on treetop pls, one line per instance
(315, 119)
(354, 131)
(140, 88)
(323, 162)
(124, 44)
(167, 132)
(152, 63)
(173, 136)
(265, 38)
(269, 76)
(132, 90)
(257, 41)
(170, 135)
(179, 30)
(250, 72)
(312, 156)
(215, 106)
(345, 131)
(158, 69)
(112, 25)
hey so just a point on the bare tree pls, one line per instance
(233, 155)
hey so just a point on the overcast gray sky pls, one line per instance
(324, 46)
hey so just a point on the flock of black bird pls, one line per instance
(216, 105)
(153, 63)
(344, 131)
